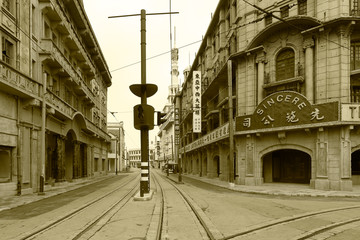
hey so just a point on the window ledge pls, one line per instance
(283, 82)
(211, 112)
(355, 72)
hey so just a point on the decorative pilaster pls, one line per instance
(260, 60)
(76, 167)
(249, 156)
(345, 160)
(252, 164)
(344, 35)
(321, 180)
(309, 68)
(60, 141)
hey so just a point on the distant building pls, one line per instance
(134, 156)
(116, 154)
(53, 96)
(166, 130)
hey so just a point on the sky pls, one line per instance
(119, 40)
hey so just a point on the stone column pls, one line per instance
(321, 180)
(60, 141)
(249, 161)
(91, 160)
(200, 162)
(345, 160)
(309, 69)
(76, 167)
(211, 168)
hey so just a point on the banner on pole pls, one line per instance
(196, 101)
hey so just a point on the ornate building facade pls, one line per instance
(166, 130)
(280, 78)
(53, 93)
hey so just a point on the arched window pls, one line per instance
(285, 64)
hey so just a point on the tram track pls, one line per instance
(326, 230)
(256, 231)
(72, 215)
(163, 231)
(175, 212)
(331, 218)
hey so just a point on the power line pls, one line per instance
(155, 56)
(286, 22)
(237, 27)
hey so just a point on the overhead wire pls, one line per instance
(125, 132)
(286, 22)
(234, 28)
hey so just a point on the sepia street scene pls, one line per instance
(168, 119)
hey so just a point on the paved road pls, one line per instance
(230, 211)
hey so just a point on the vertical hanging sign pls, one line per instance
(177, 127)
(196, 101)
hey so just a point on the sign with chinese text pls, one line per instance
(196, 101)
(177, 126)
(214, 136)
(287, 108)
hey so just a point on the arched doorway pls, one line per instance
(355, 167)
(287, 166)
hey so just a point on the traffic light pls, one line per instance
(160, 118)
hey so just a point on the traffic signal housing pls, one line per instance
(160, 118)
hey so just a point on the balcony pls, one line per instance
(52, 56)
(62, 109)
(82, 89)
(96, 131)
(12, 81)
(55, 13)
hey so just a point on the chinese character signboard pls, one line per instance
(196, 101)
(218, 134)
(287, 108)
(158, 148)
(177, 126)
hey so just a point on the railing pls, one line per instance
(96, 130)
(19, 81)
(55, 54)
(64, 20)
(49, 48)
(58, 104)
(354, 8)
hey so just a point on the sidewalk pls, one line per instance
(9, 202)
(277, 189)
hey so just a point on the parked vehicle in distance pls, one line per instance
(173, 167)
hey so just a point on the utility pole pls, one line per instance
(116, 157)
(231, 125)
(43, 137)
(143, 113)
